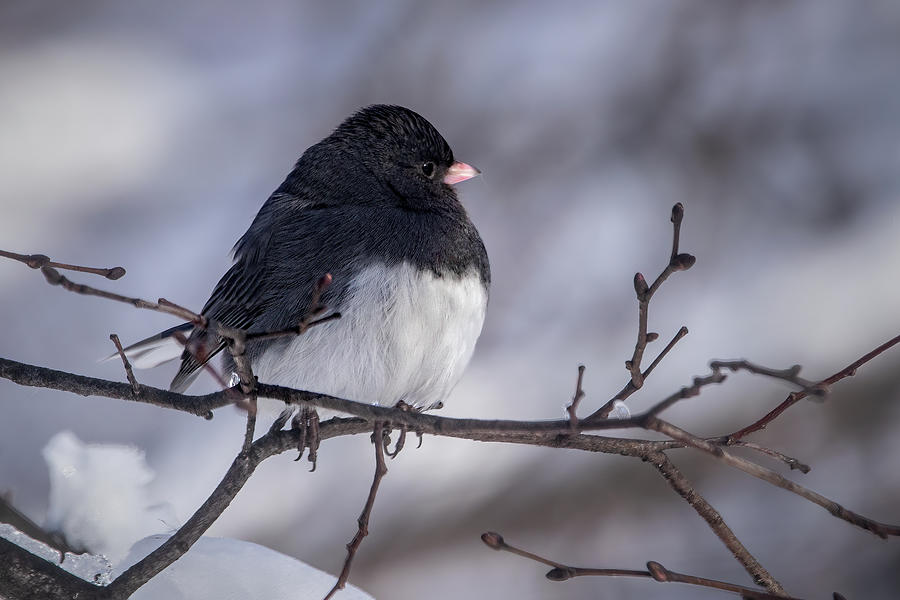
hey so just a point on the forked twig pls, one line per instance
(683, 487)
(882, 530)
(794, 397)
(572, 408)
(644, 292)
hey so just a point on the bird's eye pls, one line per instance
(428, 169)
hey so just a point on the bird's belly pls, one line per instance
(404, 334)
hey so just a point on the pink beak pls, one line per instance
(460, 171)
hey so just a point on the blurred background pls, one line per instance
(147, 135)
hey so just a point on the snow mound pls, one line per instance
(230, 569)
(98, 496)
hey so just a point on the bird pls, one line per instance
(373, 208)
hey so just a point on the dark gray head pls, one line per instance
(403, 150)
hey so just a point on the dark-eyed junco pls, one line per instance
(372, 205)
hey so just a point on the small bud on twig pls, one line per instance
(657, 571)
(683, 262)
(557, 574)
(115, 273)
(677, 213)
(36, 261)
(492, 539)
(640, 285)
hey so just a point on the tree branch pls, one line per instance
(363, 521)
(39, 261)
(677, 262)
(794, 397)
(678, 482)
(655, 571)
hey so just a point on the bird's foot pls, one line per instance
(306, 420)
(401, 440)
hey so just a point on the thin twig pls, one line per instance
(791, 374)
(54, 277)
(290, 331)
(363, 521)
(644, 293)
(314, 309)
(655, 571)
(687, 392)
(794, 397)
(790, 461)
(495, 541)
(882, 530)
(128, 372)
(675, 339)
(572, 408)
(237, 346)
(38, 261)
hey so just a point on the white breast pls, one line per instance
(404, 334)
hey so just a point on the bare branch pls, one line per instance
(363, 521)
(687, 392)
(25, 575)
(128, 372)
(794, 397)
(678, 482)
(296, 330)
(39, 261)
(655, 571)
(34, 376)
(882, 530)
(251, 424)
(791, 375)
(680, 334)
(237, 345)
(791, 462)
(572, 409)
(644, 292)
(54, 277)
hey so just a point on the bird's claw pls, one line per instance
(306, 420)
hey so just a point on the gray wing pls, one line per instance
(288, 248)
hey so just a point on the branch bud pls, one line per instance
(640, 285)
(657, 571)
(36, 261)
(683, 262)
(677, 213)
(492, 539)
(52, 275)
(115, 273)
(558, 574)
(652, 336)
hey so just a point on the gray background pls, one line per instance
(148, 135)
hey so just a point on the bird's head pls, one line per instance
(404, 151)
